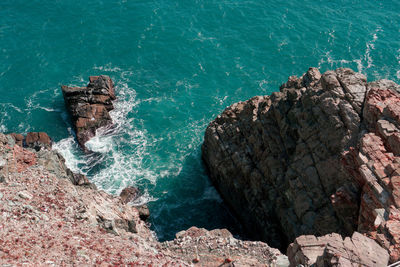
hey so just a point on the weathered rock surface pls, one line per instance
(318, 157)
(332, 250)
(89, 106)
(130, 194)
(219, 248)
(35, 140)
(46, 219)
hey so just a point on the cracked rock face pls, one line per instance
(318, 157)
(89, 106)
(276, 159)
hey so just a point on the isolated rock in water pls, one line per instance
(89, 106)
(320, 156)
(332, 250)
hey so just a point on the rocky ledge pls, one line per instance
(50, 216)
(319, 157)
(89, 106)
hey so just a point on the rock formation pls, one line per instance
(89, 106)
(130, 194)
(318, 157)
(35, 140)
(332, 250)
(50, 216)
(219, 248)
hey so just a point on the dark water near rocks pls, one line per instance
(177, 65)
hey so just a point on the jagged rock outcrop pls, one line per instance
(47, 219)
(318, 157)
(333, 250)
(131, 193)
(35, 140)
(89, 106)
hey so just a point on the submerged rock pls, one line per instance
(89, 106)
(321, 156)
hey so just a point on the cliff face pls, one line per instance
(50, 216)
(318, 157)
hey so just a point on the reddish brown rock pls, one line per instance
(37, 140)
(144, 212)
(276, 160)
(34, 140)
(320, 156)
(89, 106)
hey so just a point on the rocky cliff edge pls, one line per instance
(50, 216)
(319, 157)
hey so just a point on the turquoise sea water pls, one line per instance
(176, 65)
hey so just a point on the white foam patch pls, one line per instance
(124, 154)
(100, 144)
(68, 148)
(10, 105)
(143, 199)
(122, 169)
(3, 128)
(363, 63)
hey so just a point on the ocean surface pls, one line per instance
(176, 66)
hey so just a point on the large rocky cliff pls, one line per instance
(321, 156)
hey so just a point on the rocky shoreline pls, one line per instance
(48, 219)
(315, 165)
(51, 216)
(319, 157)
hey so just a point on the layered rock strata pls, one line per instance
(318, 157)
(48, 219)
(89, 106)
